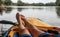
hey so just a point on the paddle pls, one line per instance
(7, 22)
(12, 23)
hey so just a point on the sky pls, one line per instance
(35, 1)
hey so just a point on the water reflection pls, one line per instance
(1, 12)
(47, 14)
(58, 11)
(19, 9)
(8, 10)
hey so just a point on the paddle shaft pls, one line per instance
(12, 23)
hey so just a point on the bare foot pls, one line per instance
(21, 27)
(18, 17)
(27, 23)
(33, 29)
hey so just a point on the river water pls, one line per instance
(49, 14)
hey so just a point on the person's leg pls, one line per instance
(16, 34)
(33, 29)
(23, 30)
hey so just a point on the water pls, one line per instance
(49, 14)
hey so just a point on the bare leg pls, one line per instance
(33, 29)
(21, 27)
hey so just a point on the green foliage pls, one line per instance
(20, 3)
(7, 2)
(50, 4)
(1, 2)
(58, 2)
(37, 4)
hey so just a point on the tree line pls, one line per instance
(20, 3)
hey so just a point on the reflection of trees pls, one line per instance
(58, 11)
(1, 12)
(8, 10)
(19, 9)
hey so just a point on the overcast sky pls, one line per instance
(35, 1)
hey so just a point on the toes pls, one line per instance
(17, 15)
(20, 16)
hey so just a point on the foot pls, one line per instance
(33, 29)
(27, 23)
(21, 27)
(18, 17)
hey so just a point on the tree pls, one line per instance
(20, 3)
(1, 2)
(7, 2)
(37, 4)
(50, 4)
(58, 2)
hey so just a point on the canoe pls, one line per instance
(38, 23)
(41, 24)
